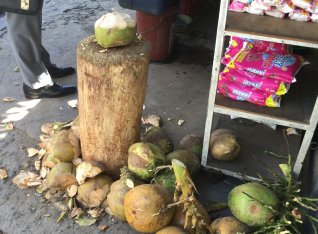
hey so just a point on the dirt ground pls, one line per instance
(176, 89)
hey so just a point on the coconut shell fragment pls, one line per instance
(88, 169)
(62, 176)
(48, 160)
(72, 190)
(27, 179)
(94, 192)
(75, 128)
(3, 174)
(153, 120)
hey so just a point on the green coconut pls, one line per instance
(166, 179)
(152, 128)
(143, 157)
(161, 139)
(61, 147)
(225, 145)
(189, 159)
(250, 211)
(115, 29)
(192, 143)
(61, 176)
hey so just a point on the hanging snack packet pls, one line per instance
(275, 13)
(244, 1)
(252, 80)
(300, 15)
(250, 9)
(236, 6)
(270, 64)
(287, 7)
(244, 93)
(258, 5)
(303, 4)
(314, 16)
(272, 2)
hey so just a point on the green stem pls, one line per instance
(61, 216)
(276, 155)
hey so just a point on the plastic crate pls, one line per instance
(155, 7)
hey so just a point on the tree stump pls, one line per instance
(111, 92)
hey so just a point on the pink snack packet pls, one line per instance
(259, 45)
(300, 15)
(314, 18)
(287, 7)
(272, 2)
(236, 6)
(315, 7)
(257, 82)
(304, 4)
(275, 13)
(258, 5)
(271, 64)
(244, 93)
(252, 10)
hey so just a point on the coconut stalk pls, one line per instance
(184, 183)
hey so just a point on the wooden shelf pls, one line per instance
(297, 105)
(272, 27)
(256, 138)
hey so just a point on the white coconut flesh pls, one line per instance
(115, 20)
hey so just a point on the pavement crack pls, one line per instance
(8, 197)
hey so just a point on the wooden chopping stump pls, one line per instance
(111, 94)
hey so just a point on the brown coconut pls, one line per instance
(192, 143)
(141, 205)
(94, 192)
(172, 230)
(88, 169)
(229, 225)
(61, 176)
(61, 147)
(225, 145)
(161, 139)
(116, 198)
(179, 218)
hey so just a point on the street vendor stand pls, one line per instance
(299, 109)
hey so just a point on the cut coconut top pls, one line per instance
(115, 20)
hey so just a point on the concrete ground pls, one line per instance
(177, 89)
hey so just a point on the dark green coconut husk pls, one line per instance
(190, 160)
(192, 143)
(153, 128)
(161, 139)
(166, 179)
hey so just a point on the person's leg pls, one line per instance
(45, 57)
(25, 37)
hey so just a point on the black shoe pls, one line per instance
(53, 90)
(59, 72)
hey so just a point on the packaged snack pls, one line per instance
(250, 9)
(303, 4)
(272, 2)
(236, 6)
(244, 93)
(314, 18)
(315, 7)
(258, 5)
(263, 84)
(275, 13)
(300, 15)
(245, 1)
(287, 7)
(273, 64)
(259, 45)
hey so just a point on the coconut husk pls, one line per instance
(192, 143)
(45, 144)
(45, 128)
(43, 136)
(49, 161)
(27, 179)
(88, 169)
(62, 176)
(161, 139)
(75, 128)
(3, 174)
(72, 190)
(94, 192)
(37, 165)
(97, 213)
(75, 142)
(153, 120)
(61, 147)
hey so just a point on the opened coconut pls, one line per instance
(172, 230)
(61, 176)
(179, 218)
(142, 206)
(94, 192)
(229, 225)
(192, 143)
(143, 158)
(61, 147)
(250, 211)
(190, 160)
(115, 29)
(161, 139)
(225, 145)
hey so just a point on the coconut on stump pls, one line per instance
(112, 88)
